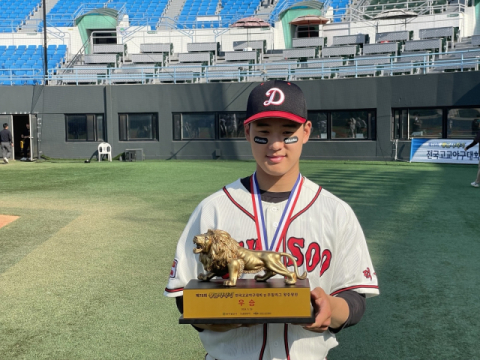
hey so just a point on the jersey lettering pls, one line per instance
(313, 256)
(252, 244)
(326, 259)
(295, 245)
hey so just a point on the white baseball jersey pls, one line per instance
(322, 233)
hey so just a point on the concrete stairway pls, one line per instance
(172, 11)
(31, 25)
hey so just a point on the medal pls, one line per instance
(284, 220)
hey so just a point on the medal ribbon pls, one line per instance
(284, 220)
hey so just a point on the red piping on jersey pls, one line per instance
(354, 287)
(308, 206)
(237, 204)
(297, 215)
(173, 290)
(285, 339)
(262, 351)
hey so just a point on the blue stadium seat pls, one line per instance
(23, 64)
(12, 16)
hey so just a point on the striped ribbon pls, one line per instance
(285, 219)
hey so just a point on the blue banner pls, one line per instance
(451, 151)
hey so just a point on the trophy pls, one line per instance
(233, 300)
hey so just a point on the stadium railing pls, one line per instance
(318, 69)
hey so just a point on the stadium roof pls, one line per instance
(306, 4)
(102, 11)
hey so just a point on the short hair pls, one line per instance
(5, 125)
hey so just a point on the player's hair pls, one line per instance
(5, 125)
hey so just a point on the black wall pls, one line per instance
(382, 94)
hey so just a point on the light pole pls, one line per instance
(45, 54)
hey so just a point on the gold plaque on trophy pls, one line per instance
(249, 302)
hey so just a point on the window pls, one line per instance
(194, 126)
(400, 126)
(85, 127)
(319, 121)
(307, 31)
(138, 127)
(411, 123)
(209, 126)
(463, 123)
(426, 123)
(343, 125)
(230, 125)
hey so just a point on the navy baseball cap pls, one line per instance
(276, 99)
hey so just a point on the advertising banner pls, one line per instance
(449, 151)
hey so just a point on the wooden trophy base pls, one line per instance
(250, 302)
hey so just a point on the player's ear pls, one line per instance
(307, 130)
(247, 132)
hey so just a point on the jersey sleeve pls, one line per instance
(185, 266)
(353, 268)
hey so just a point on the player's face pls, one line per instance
(274, 155)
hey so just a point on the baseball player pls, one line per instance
(278, 209)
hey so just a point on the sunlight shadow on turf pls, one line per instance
(32, 229)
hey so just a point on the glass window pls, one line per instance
(463, 123)
(231, 125)
(319, 121)
(197, 126)
(307, 31)
(400, 124)
(358, 125)
(177, 126)
(85, 127)
(425, 123)
(138, 127)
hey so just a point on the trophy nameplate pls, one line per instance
(249, 302)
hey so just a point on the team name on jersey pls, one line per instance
(310, 255)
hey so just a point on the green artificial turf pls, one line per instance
(82, 271)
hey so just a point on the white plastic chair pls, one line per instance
(104, 149)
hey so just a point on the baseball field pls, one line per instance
(84, 266)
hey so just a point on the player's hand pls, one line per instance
(221, 327)
(322, 310)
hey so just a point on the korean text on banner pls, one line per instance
(451, 151)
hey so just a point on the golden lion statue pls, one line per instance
(221, 255)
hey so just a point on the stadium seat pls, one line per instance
(12, 16)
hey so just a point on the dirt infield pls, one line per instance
(7, 219)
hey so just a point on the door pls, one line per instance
(32, 120)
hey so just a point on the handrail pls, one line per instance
(78, 54)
